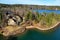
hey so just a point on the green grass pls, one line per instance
(47, 19)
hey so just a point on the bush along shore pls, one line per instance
(17, 24)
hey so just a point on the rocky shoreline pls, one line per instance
(12, 30)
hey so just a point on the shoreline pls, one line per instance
(43, 29)
(12, 31)
(19, 30)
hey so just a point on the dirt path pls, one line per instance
(38, 27)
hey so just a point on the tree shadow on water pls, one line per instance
(12, 38)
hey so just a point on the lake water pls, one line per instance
(47, 11)
(33, 34)
(36, 35)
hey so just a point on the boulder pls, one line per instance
(11, 22)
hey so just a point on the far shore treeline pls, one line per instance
(29, 6)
